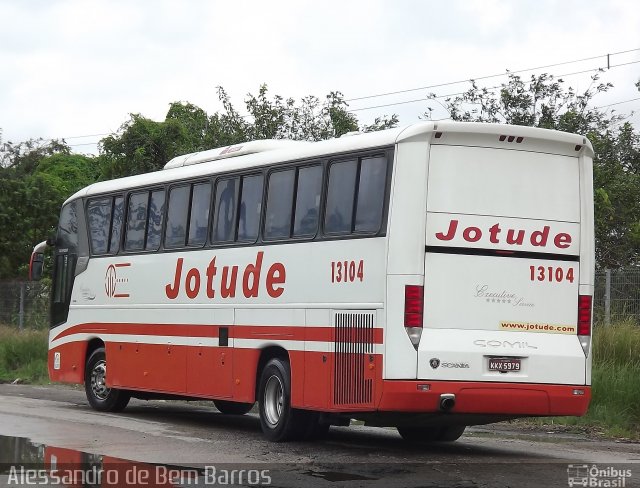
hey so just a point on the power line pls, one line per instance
(406, 102)
(439, 85)
(434, 86)
(84, 144)
(80, 137)
(618, 103)
(423, 99)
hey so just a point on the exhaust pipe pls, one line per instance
(447, 401)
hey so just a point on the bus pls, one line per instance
(428, 278)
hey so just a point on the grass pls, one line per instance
(23, 355)
(615, 402)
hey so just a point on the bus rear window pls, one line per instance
(520, 184)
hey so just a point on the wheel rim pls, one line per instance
(98, 380)
(273, 400)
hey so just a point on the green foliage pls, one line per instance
(23, 355)
(617, 196)
(33, 184)
(143, 145)
(544, 101)
(615, 403)
(615, 379)
(617, 345)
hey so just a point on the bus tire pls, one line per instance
(278, 420)
(101, 397)
(420, 435)
(232, 408)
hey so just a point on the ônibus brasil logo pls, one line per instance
(112, 282)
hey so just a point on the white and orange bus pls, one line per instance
(429, 278)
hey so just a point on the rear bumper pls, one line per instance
(486, 398)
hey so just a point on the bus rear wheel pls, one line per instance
(232, 408)
(278, 420)
(419, 435)
(99, 395)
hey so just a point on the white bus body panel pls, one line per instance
(480, 305)
(139, 293)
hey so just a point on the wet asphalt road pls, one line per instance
(184, 435)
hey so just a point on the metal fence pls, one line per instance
(24, 304)
(617, 298)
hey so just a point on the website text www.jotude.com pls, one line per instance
(532, 327)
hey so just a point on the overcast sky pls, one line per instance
(77, 68)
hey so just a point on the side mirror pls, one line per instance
(36, 264)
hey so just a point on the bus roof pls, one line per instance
(263, 153)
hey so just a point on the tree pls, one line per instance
(617, 196)
(36, 179)
(37, 175)
(25, 156)
(142, 145)
(543, 101)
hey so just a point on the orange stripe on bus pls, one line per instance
(276, 332)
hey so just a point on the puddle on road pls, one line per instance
(25, 463)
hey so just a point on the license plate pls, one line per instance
(504, 364)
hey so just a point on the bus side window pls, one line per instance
(339, 211)
(136, 221)
(305, 221)
(99, 215)
(277, 223)
(250, 206)
(225, 210)
(176, 230)
(373, 175)
(154, 222)
(116, 225)
(199, 214)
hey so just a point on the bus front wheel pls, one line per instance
(278, 420)
(99, 395)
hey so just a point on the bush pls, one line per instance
(23, 355)
(615, 402)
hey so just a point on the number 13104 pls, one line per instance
(347, 271)
(550, 273)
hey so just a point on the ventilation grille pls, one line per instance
(353, 384)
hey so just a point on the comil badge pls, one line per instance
(114, 282)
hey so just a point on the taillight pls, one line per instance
(584, 322)
(413, 310)
(584, 315)
(413, 304)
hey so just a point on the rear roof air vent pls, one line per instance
(235, 150)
